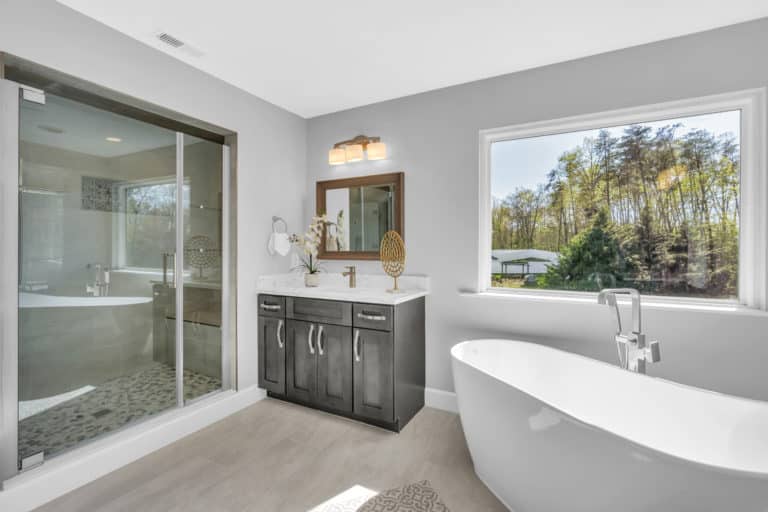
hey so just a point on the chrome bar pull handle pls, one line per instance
(309, 339)
(320, 340)
(372, 317)
(280, 343)
(270, 307)
(356, 345)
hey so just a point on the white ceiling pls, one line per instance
(314, 57)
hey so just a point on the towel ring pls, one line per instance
(275, 220)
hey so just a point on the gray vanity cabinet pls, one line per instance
(363, 361)
(301, 361)
(272, 354)
(319, 360)
(374, 374)
(334, 367)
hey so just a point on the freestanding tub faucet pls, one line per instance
(634, 351)
(100, 286)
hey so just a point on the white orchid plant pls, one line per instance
(308, 244)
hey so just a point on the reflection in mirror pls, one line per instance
(359, 212)
(358, 217)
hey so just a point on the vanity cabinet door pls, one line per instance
(334, 367)
(301, 360)
(272, 354)
(373, 355)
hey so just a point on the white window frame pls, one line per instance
(753, 226)
(119, 236)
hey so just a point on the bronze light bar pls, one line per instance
(357, 149)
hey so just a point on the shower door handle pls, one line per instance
(280, 343)
(309, 339)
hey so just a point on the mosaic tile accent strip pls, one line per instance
(110, 406)
(97, 194)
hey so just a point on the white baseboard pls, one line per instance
(439, 399)
(83, 465)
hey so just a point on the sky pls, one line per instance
(524, 163)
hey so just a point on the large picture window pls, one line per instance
(653, 204)
(148, 222)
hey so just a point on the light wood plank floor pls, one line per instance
(275, 456)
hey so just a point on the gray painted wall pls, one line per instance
(272, 142)
(433, 137)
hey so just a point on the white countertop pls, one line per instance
(371, 289)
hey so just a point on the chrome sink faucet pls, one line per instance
(634, 351)
(352, 273)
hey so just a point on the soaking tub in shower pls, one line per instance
(80, 341)
(551, 431)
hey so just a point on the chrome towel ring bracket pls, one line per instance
(275, 221)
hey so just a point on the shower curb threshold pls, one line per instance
(80, 466)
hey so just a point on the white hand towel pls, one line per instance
(281, 243)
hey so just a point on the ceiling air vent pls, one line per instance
(178, 44)
(170, 40)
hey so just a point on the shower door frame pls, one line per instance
(9, 290)
(10, 102)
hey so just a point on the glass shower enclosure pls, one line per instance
(121, 272)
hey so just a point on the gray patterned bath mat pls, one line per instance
(418, 497)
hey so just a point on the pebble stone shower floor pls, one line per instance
(108, 407)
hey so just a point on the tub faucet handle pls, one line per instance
(654, 351)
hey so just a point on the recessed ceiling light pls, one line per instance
(114, 139)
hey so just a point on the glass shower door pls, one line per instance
(203, 276)
(97, 239)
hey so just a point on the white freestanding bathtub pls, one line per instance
(70, 342)
(551, 431)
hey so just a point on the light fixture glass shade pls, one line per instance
(377, 151)
(337, 156)
(354, 152)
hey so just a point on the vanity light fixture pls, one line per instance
(377, 151)
(337, 156)
(354, 152)
(357, 149)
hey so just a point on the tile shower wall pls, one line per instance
(53, 216)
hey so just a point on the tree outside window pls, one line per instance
(653, 206)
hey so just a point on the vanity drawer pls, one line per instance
(272, 305)
(372, 316)
(318, 310)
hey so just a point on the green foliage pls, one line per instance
(654, 209)
(591, 260)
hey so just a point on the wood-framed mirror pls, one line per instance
(359, 211)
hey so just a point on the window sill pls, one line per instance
(655, 303)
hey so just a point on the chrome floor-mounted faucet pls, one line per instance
(634, 351)
(100, 286)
